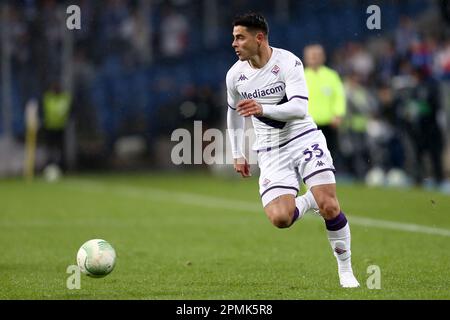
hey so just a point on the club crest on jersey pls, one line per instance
(297, 63)
(242, 78)
(275, 70)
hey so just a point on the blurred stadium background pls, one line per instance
(137, 70)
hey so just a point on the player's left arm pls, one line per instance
(296, 91)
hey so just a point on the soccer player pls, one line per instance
(268, 85)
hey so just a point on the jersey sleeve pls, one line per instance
(235, 122)
(232, 94)
(295, 79)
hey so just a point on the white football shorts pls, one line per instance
(303, 158)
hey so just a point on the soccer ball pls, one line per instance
(96, 258)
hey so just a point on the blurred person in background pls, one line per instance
(420, 110)
(56, 108)
(442, 61)
(361, 61)
(405, 34)
(327, 105)
(361, 106)
(174, 33)
(391, 154)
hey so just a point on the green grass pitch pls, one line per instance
(199, 237)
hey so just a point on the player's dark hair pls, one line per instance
(252, 21)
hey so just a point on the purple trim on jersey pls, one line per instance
(279, 187)
(272, 123)
(317, 172)
(300, 97)
(283, 100)
(337, 223)
(231, 107)
(285, 143)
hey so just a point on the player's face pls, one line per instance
(245, 43)
(314, 56)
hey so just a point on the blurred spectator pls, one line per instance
(111, 16)
(405, 35)
(52, 24)
(56, 107)
(360, 110)
(174, 33)
(422, 54)
(387, 62)
(442, 61)
(136, 30)
(360, 61)
(391, 151)
(421, 109)
(22, 54)
(326, 96)
(83, 108)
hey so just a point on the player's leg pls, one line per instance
(326, 199)
(285, 209)
(317, 171)
(281, 211)
(338, 231)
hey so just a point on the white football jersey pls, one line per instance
(279, 81)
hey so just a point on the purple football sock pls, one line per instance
(337, 223)
(296, 214)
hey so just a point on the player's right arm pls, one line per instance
(296, 93)
(236, 126)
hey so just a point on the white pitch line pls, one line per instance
(222, 203)
(401, 226)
